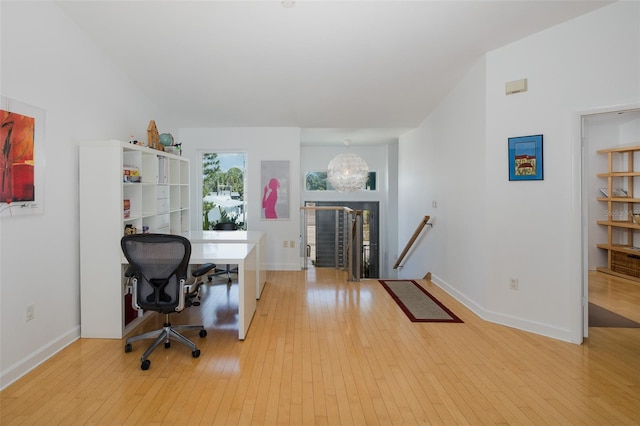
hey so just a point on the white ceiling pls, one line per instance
(363, 70)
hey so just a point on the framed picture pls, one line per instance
(525, 158)
(21, 158)
(274, 178)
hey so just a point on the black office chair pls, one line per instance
(157, 280)
(225, 226)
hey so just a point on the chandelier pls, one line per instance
(347, 172)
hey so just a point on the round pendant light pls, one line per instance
(347, 172)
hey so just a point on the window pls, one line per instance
(317, 181)
(223, 187)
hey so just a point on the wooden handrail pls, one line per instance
(413, 239)
(341, 208)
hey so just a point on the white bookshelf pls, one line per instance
(158, 202)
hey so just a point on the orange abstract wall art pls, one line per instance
(16, 157)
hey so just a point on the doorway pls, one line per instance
(321, 235)
(603, 130)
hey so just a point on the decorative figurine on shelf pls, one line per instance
(130, 229)
(154, 136)
(174, 149)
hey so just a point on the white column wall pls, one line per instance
(443, 161)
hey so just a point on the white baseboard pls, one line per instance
(25, 365)
(506, 320)
(283, 266)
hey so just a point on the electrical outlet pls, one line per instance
(513, 283)
(30, 313)
(285, 244)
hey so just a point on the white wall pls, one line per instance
(273, 143)
(380, 159)
(530, 230)
(48, 63)
(443, 161)
(589, 62)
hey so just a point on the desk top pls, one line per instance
(220, 252)
(197, 236)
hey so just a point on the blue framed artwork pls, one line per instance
(525, 158)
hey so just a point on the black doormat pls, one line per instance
(418, 303)
(601, 317)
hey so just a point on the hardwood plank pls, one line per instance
(325, 351)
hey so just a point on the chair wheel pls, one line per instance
(167, 345)
(196, 353)
(128, 348)
(145, 364)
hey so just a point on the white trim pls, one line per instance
(578, 152)
(506, 320)
(609, 109)
(25, 365)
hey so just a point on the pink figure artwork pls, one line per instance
(270, 198)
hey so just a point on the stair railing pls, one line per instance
(424, 222)
(351, 249)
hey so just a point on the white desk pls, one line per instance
(237, 237)
(244, 255)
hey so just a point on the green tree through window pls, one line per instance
(223, 188)
(317, 181)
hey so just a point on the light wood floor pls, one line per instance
(615, 294)
(324, 351)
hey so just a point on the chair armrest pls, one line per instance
(130, 275)
(129, 272)
(203, 269)
(130, 286)
(192, 291)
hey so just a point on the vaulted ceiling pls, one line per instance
(363, 70)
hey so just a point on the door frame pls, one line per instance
(583, 189)
(356, 205)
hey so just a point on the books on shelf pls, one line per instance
(617, 192)
(163, 170)
(131, 174)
